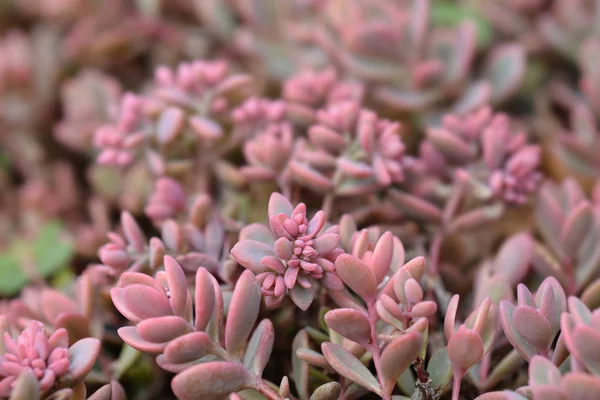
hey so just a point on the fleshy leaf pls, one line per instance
(243, 312)
(279, 204)
(382, 256)
(260, 347)
(514, 257)
(26, 387)
(505, 70)
(398, 356)
(351, 324)
(356, 275)
(187, 348)
(82, 356)
(211, 381)
(506, 319)
(327, 391)
(163, 329)
(440, 370)
(204, 299)
(576, 227)
(347, 365)
(302, 297)
(300, 369)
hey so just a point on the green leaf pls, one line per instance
(4, 161)
(126, 360)
(300, 369)
(50, 250)
(440, 370)
(449, 15)
(347, 365)
(12, 278)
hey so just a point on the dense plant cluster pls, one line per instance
(299, 199)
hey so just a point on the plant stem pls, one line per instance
(434, 252)
(485, 366)
(327, 206)
(456, 387)
(267, 391)
(571, 278)
(374, 347)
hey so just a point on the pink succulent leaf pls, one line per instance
(302, 297)
(129, 278)
(576, 227)
(204, 299)
(351, 324)
(177, 368)
(389, 312)
(216, 321)
(423, 309)
(130, 336)
(413, 291)
(484, 322)
(257, 232)
(177, 283)
(55, 303)
(382, 256)
(465, 349)
(583, 343)
(243, 312)
(145, 302)
(400, 279)
(524, 296)
(132, 231)
(463, 52)
(543, 372)
(118, 298)
(347, 365)
(580, 312)
(300, 369)
(163, 329)
(249, 254)
(398, 356)
(188, 348)
(82, 356)
(60, 338)
(505, 70)
(259, 347)
(279, 204)
(356, 275)
(326, 243)
(76, 325)
(552, 302)
(580, 386)
(309, 177)
(416, 206)
(514, 257)
(26, 386)
(110, 391)
(332, 281)
(211, 381)
(521, 344)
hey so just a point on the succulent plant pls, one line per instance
(286, 200)
(47, 361)
(292, 254)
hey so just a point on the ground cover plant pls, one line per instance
(299, 199)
